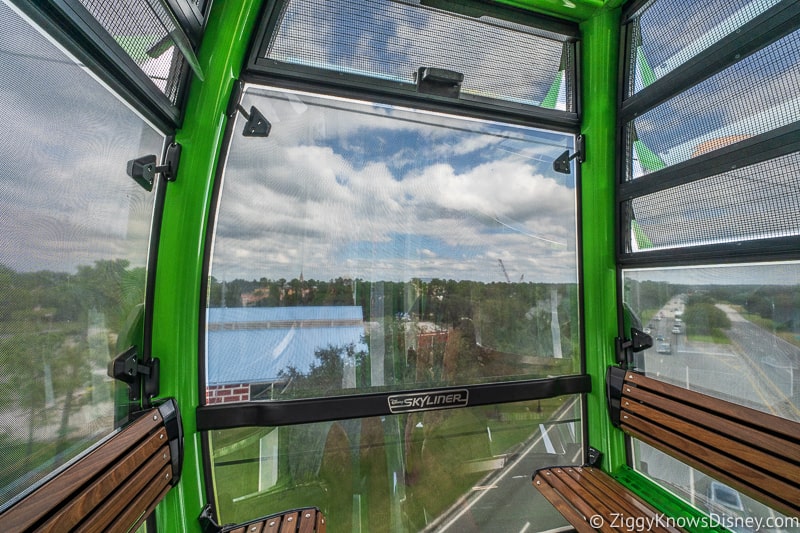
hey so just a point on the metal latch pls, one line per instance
(627, 347)
(141, 376)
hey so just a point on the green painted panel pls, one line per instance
(600, 46)
(180, 265)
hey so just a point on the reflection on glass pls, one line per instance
(723, 505)
(457, 470)
(729, 331)
(72, 252)
(365, 246)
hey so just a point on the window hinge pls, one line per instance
(142, 377)
(627, 347)
(561, 163)
(144, 169)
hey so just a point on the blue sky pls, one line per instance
(350, 189)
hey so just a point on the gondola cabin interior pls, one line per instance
(400, 265)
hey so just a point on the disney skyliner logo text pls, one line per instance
(642, 523)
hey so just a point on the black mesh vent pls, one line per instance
(755, 96)
(668, 33)
(143, 29)
(755, 202)
(391, 40)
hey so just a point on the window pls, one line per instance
(367, 247)
(73, 252)
(450, 470)
(392, 308)
(709, 231)
(391, 40)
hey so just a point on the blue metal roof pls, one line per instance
(253, 344)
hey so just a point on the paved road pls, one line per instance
(754, 369)
(506, 501)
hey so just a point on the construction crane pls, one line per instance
(503, 268)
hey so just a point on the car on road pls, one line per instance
(676, 329)
(664, 347)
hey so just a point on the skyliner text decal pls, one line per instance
(424, 401)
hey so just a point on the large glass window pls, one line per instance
(457, 470)
(729, 331)
(363, 247)
(73, 251)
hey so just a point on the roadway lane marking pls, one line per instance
(566, 408)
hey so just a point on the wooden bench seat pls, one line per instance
(593, 501)
(114, 487)
(756, 453)
(305, 520)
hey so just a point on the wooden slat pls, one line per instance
(321, 522)
(273, 525)
(129, 499)
(749, 417)
(70, 515)
(542, 482)
(64, 486)
(699, 418)
(773, 461)
(308, 521)
(289, 524)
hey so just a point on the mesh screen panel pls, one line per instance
(755, 202)
(756, 95)
(391, 40)
(142, 28)
(667, 33)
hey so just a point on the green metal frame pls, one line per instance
(177, 298)
(600, 79)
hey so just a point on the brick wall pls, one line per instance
(227, 393)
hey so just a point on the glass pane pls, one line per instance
(732, 332)
(723, 505)
(753, 202)
(668, 33)
(362, 247)
(457, 470)
(73, 252)
(754, 96)
(391, 40)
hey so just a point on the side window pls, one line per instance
(710, 227)
(73, 252)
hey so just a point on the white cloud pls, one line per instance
(336, 204)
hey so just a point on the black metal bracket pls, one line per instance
(561, 163)
(593, 457)
(144, 169)
(257, 124)
(174, 426)
(438, 81)
(141, 377)
(615, 376)
(627, 347)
